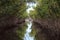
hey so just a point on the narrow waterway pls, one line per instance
(29, 22)
(28, 30)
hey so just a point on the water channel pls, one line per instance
(29, 22)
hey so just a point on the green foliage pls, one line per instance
(48, 9)
(31, 0)
(33, 32)
(33, 14)
(10, 10)
(12, 7)
(23, 15)
(21, 31)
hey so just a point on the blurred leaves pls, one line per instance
(10, 12)
(48, 14)
(21, 31)
(12, 7)
(48, 9)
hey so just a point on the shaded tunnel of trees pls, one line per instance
(46, 19)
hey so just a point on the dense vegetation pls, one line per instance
(11, 18)
(46, 19)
